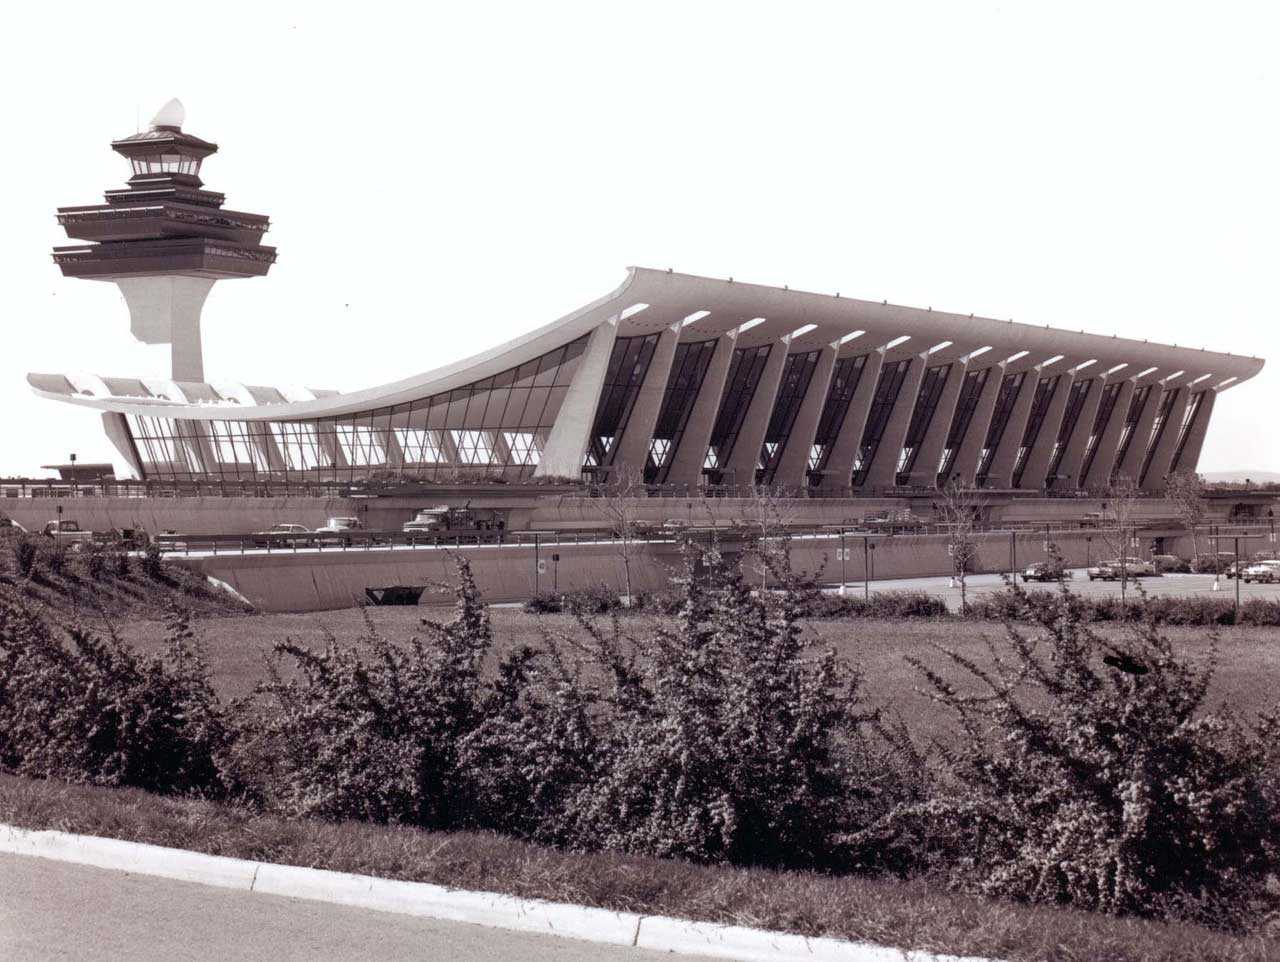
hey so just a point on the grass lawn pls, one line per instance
(1247, 678)
(910, 915)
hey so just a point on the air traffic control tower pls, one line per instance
(164, 239)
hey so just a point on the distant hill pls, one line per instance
(1257, 477)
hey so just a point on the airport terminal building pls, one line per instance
(681, 380)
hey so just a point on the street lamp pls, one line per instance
(844, 555)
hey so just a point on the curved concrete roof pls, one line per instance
(650, 300)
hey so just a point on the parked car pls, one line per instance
(11, 524)
(1045, 571)
(68, 534)
(1264, 572)
(338, 530)
(1117, 569)
(285, 532)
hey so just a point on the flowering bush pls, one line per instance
(719, 738)
(375, 736)
(1089, 772)
(90, 709)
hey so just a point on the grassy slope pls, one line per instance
(1249, 662)
(74, 594)
(908, 915)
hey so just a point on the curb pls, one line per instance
(425, 900)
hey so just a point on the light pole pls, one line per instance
(843, 558)
(1235, 618)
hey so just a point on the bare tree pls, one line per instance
(1186, 490)
(1117, 527)
(765, 520)
(960, 510)
(620, 500)
(1117, 515)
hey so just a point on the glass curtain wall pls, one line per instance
(494, 428)
(797, 373)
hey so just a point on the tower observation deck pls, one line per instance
(164, 239)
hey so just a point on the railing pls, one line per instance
(360, 540)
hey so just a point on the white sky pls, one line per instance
(441, 179)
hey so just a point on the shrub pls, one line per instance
(95, 562)
(92, 710)
(25, 556)
(375, 737)
(152, 562)
(723, 738)
(1089, 773)
(883, 604)
(1192, 611)
(55, 558)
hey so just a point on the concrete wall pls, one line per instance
(311, 581)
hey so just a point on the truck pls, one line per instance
(67, 534)
(445, 518)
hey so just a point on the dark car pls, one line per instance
(1045, 571)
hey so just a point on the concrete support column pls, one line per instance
(745, 456)
(793, 461)
(1195, 439)
(1042, 448)
(1104, 459)
(924, 472)
(391, 445)
(567, 443)
(965, 469)
(1069, 467)
(691, 452)
(839, 471)
(1153, 480)
(632, 450)
(199, 444)
(1131, 466)
(883, 471)
(449, 448)
(165, 309)
(264, 442)
(117, 428)
(1000, 474)
(327, 437)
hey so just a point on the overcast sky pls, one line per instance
(441, 179)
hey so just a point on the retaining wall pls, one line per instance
(317, 581)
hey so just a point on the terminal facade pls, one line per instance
(682, 381)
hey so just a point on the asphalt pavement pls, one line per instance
(978, 585)
(57, 910)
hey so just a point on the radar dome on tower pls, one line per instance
(172, 114)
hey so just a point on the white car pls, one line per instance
(338, 530)
(1264, 572)
(283, 533)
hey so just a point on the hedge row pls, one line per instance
(1090, 772)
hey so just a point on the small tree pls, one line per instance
(1186, 490)
(620, 501)
(1118, 525)
(959, 510)
(765, 520)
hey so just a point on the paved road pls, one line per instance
(979, 585)
(56, 910)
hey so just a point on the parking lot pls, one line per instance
(1170, 584)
